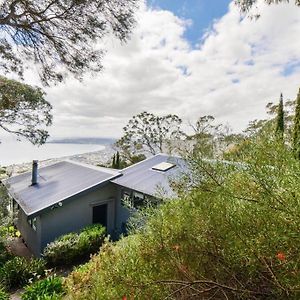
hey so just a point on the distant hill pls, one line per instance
(93, 141)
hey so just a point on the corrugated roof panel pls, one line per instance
(55, 183)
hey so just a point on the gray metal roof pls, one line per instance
(141, 177)
(55, 184)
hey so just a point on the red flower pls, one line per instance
(124, 297)
(280, 256)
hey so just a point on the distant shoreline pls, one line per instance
(86, 141)
(100, 157)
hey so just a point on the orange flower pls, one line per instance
(280, 256)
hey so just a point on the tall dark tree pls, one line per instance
(113, 164)
(118, 161)
(296, 130)
(280, 118)
(24, 111)
(60, 35)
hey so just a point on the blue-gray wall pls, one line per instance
(77, 213)
(31, 237)
(122, 213)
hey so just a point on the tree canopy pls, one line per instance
(24, 110)
(280, 118)
(147, 132)
(296, 129)
(246, 5)
(60, 35)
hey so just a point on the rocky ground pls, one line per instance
(101, 158)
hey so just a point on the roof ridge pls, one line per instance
(93, 167)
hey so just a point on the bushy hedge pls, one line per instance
(46, 289)
(74, 247)
(18, 271)
(233, 235)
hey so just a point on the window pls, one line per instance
(132, 199)
(32, 223)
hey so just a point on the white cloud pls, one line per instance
(237, 69)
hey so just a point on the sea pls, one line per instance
(17, 152)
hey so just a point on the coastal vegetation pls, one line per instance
(232, 233)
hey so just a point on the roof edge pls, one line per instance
(39, 211)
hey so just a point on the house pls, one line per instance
(67, 196)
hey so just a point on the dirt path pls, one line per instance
(18, 248)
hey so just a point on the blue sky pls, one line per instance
(242, 64)
(201, 12)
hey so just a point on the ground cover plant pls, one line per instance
(18, 271)
(74, 247)
(3, 294)
(48, 288)
(233, 233)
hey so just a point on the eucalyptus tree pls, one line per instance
(246, 5)
(60, 35)
(146, 132)
(24, 110)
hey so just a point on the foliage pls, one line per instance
(232, 234)
(3, 294)
(24, 111)
(296, 129)
(5, 255)
(18, 271)
(146, 132)
(246, 5)
(117, 162)
(280, 118)
(257, 126)
(211, 139)
(74, 247)
(4, 202)
(48, 288)
(60, 35)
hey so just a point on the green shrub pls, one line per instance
(3, 294)
(19, 271)
(46, 289)
(233, 235)
(74, 247)
(4, 254)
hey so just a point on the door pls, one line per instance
(100, 215)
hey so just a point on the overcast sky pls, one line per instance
(190, 58)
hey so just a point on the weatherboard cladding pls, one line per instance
(55, 183)
(141, 177)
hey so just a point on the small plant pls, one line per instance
(19, 271)
(74, 247)
(46, 289)
(4, 254)
(3, 294)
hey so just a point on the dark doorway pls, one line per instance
(100, 214)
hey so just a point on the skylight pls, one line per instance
(164, 166)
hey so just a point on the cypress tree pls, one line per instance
(296, 131)
(118, 160)
(113, 165)
(280, 118)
